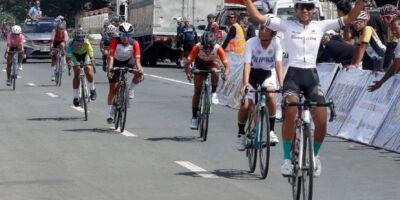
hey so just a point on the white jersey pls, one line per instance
(124, 53)
(261, 58)
(302, 41)
(397, 51)
(208, 57)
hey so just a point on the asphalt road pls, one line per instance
(48, 152)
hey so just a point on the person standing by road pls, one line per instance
(35, 12)
(388, 13)
(235, 41)
(214, 27)
(248, 28)
(303, 36)
(189, 37)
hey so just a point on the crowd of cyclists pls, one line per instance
(262, 54)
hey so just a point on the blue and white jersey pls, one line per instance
(261, 58)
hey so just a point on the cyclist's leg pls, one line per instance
(20, 55)
(9, 63)
(75, 82)
(214, 76)
(244, 111)
(89, 76)
(313, 92)
(291, 91)
(270, 83)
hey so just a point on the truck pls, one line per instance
(155, 23)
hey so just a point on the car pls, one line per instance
(37, 38)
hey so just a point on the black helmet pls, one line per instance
(208, 39)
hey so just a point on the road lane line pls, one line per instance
(196, 169)
(78, 109)
(125, 133)
(168, 79)
(52, 95)
(31, 84)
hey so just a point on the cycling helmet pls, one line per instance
(60, 18)
(125, 28)
(61, 25)
(111, 28)
(388, 9)
(106, 24)
(363, 16)
(208, 39)
(305, 2)
(16, 29)
(79, 34)
(117, 19)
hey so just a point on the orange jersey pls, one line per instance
(200, 52)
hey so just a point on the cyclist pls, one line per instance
(80, 50)
(110, 33)
(262, 55)
(388, 13)
(59, 39)
(205, 55)
(15, 42)
(116, 21)
(395, 67)
(124, 52)
(303, 36)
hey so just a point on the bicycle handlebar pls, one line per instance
(199, 71)
(259, 90)
(310, 104)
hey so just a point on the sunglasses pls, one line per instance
(208, 48)
(16, 35)
(307, 6)
(358, 22)
(125, 35)
(389, 17)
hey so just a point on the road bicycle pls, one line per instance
(257, 131)
(59, 66)
(14, 69)
(84, 91)
(302, 153)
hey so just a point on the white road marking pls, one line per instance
(80, 109)
(168, 79)
(125, 133)
(52, 95)
(4, 70)
(31, 84)
(196, 169)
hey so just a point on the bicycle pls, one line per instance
(59, 66)
(121, 102)
(205, 101)
(302, 152)
(84, 91)
(257, 131)
(14, 69)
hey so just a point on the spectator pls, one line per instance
(235, 41)
(388, 13)
(248, 28)
(189, 37)
(211, 22)
(335, 50)
(395, 67)
(343, 8)
(35, 12)
(370, 49)
(179, 44)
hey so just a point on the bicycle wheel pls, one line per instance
(117, 108)
(123, 106)
(201, 112)
(84, 98)
(60, 68)
(206, 114)
(295, 179)
(308, 164)
(251, 151)
(14, 75)
(264, 142)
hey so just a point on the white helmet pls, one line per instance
(16, 29)
(111, 28)
(125, 27)
(305, 1)
(363, 16)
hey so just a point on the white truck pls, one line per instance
(156, 26)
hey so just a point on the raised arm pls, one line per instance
(353, 14)
(254, 13)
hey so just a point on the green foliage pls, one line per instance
(51, 8)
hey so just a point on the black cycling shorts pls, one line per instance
(299, 80)
(188, 45)
(116, 74)
(258, 76)
(56, 44)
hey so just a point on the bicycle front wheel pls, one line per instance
(123, 106)
(201, 114)
(206, 114)
(59, 72)
(14, 75)
(264, 142)
(308, 164)
(295, 179)
(117, 109)
(84, 98)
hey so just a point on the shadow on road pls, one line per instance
(175, 139)
(93, 130)
(236, 174)
(56, 119)
(6, 90)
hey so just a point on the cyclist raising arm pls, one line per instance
(15, 42)
(205, 55)
(303, 36)
(395, 68)
(262, 55)
(124, 52)
(80, 51)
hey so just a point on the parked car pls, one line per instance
(37, 38)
